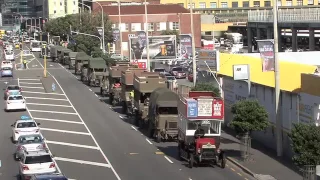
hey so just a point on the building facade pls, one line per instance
(56, 8)
(160, 18)
(12, 10)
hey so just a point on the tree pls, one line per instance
(305, 143)
(84, 23)
(249, 116)
(207, 87)
(172, 32)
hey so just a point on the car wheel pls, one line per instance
(16, 157)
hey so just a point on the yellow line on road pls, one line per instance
(239, 174)
(133, 153)
(232, 169)
(159, 153)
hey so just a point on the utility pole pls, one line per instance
(194, 63)
(147, 34)
(119, 9)
(277, 79)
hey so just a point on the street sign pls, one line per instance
(131, 35)
(100, 30)
(53, 86)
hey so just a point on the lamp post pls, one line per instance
(86, 6)
(147, 33)
(194, 63)
(102, 23)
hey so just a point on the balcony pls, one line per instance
(311, 15)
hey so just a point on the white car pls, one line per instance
(6, 64)
(24, 127)
(27, 40)
(9, 56)
(15, 102)
(39, 162)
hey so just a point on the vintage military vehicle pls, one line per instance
(62, 55)
(163, 115)
(54, 52)
(127, 87)
(144, 84)
(71, 59)
(114, 87)
(200, 116)
(96, 71)
(81, 59)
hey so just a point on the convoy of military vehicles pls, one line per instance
(145, 99)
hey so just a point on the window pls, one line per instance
(202, 5)
(61, 3)
(256, 3)
(310, 2)
(299, 3)
(55, 11)
(38, 159)
(124, 27)
(54, 3)
(234, 4)
(267, 4)
(279, 3)
(189, 5)
(135, 26)
(181, 4)
(161, 26)
(175, 26)
(74, 3)
(245, 4)
(224, 5)
(289, 3)
(213, 5)
(150, 27)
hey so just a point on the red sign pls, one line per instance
(142, 65)
(218, 109)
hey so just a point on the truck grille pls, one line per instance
(172, 125)
(208, 153)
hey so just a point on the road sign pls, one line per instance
(100, 30)
(53, 86)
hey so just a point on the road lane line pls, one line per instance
(53, 112)
(57, 120)
(38, 104)
(54, 99)
(65, 131)
(32, 92)
(29, 83)
(82, 162)
(94, 139)
(28, 79)
(168, 159)
(90, 89)
(134, 128)
(148, 141)
(71, 144)
(32, 87)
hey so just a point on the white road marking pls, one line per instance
(29, 83)
(54, 112)
(168, 159)
(82, 162)
(32, 87)
(54, 99)
(38, 104)
(94, 139)
(64, 131)
(134, 128)
(32, 92)
(71, 144)
(29, 79)
(96, 95)
(90, 89)
(57, 120)
(148, 141)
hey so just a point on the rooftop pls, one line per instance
(140, 9)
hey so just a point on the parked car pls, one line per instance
(178, 72)
(49, 176)
(12, 90)
(24, 127)
(15, 102)
(29, 143)
(6, 72)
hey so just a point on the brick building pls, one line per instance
(160, 17)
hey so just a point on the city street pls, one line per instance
(88, 138)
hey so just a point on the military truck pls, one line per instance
(127, 87)
(144, 84)
(96, 71)
(81, 59)
(114, 87)
(71, 59)
(54, 52)
(62, 55)
(163, 115)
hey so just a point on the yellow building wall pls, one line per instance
(215, 27)
(290, 73)
(56, 10)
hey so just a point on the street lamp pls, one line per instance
(147, 33)
(86, 6)
(85, 34)
(102, 23)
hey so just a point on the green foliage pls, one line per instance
(206, 87)
(84, 23)
(248, 116)
(305, 142)
(171, 32)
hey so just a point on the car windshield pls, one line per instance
(15, 97)
(30, 139)
(6, 62)
(177, 69)
(38, 159)
(26, 125)
(13, 88)
(5, 68)
(9, 52)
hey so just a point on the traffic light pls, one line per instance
(44, 51)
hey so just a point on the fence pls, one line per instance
(288, 15)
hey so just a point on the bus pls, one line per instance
(35, 46)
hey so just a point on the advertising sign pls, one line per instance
(192, 108)
(142, 39)
(115, 34)
(208, 60)
(160, 48)
(241, 72)
(185, 46)
(266, 49)
(205, 109)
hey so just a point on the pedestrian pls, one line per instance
(25, 64)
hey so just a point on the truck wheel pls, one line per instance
(159, 137)
(101, 91)
(223, 161)
(179, 152)
(191, 160)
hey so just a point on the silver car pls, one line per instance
(29, 143)
(12, 90)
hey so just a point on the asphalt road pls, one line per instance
(90, 140)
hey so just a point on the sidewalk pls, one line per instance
(263, 162)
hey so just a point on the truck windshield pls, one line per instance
(209, 127)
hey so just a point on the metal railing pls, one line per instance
(311, 15)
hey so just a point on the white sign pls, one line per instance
(204, 108)
(131, 35)
(100, 30)
(241, 72)
(217, 109)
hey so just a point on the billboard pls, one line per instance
(185, 46)
(208, 60)
(160, 48)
